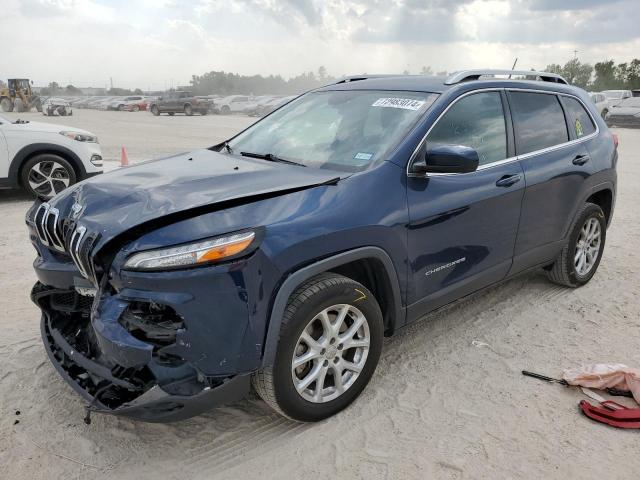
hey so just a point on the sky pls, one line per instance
(157, 44)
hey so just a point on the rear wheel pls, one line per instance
(329, 346)
(155, 110)
(6, 105)
(225, 110)
(46, 175)
(580, 257)
(188, 110)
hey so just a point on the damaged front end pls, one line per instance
(126, 373)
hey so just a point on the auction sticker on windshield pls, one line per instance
(405, 103)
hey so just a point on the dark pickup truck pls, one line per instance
(180, 102)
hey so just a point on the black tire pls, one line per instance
(45, 158)
(225, 110)
(275, 385)
(171, 114)
(563, 271)
(121, 108)
(6, 104)
(188, 110)
(155, 110)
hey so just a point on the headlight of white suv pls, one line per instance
(80, 137)
(190, 254)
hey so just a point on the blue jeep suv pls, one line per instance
(282, 257)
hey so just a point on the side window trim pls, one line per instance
(565, 144)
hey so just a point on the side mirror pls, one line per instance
(447, 159)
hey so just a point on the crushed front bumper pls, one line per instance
(152, 389)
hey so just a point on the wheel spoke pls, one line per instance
(311, 342)
(355, 343)
(309, 378)
(354, 367)
(357, 323)
(317, 395)
(305, 357)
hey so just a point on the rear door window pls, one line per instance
(579, 120)
(475, 121)
(538, 121)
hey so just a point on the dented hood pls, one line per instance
(115, 202)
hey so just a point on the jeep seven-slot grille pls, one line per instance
(78, 244)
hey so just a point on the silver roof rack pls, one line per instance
(355, 78)
(468, 75)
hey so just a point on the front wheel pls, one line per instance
(188, 110)
(580, 257)
(46, 175)
(329, 346)
(155, 110)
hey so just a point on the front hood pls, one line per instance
(163, 191)
(51, 128)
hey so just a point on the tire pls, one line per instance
(204, 112)
(171, 113)
(155, 110)
(225, 110)
(53, 172)
(18, 106)
(121, 108)
(326, 292)
(38, 105)
(6, 105)
(567, 268)
(188, 110)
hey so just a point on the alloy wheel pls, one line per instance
(330, 353)
(587, 246)
(48, 178)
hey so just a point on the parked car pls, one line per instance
(233, 104)
(601, 103)
(46, 158)
(625, 114)
(133, 103)
(180, 102)
(273, 104)
(614, 97)
(55, 106)
(282, 256)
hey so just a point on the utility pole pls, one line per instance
(111, 82)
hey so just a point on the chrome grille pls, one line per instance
(48, 226)
(52, 232)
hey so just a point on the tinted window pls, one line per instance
(579, 120)
(475, 121)
(539, 121)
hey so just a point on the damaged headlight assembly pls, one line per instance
(192, 254)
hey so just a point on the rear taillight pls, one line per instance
(616, 141)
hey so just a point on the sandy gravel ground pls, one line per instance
(439, 406)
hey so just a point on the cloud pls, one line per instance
(158, 43)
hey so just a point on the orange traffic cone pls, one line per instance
(124, 160)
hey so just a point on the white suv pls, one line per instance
(46, 158)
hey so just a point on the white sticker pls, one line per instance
(404, 103)
(363, 156)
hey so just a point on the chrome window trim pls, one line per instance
(509, 159)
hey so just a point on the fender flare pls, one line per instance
(294, 280)
(606, 185)
(36, 148)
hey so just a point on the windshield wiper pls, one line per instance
(271, 157)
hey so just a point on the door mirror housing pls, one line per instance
(447, 159)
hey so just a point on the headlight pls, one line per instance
(205, 251)
(80, 137)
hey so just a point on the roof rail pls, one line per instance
(468, 75)
(364, 76)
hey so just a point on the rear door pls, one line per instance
(463, 227)
(556, 163)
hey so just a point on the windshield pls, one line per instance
(340, 130)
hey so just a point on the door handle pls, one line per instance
(508, 180)
(581, 159)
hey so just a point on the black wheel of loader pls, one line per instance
(38, 104)
(6, 104)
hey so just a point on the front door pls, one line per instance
(462, 227)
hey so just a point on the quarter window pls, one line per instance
(579, 120)
(538, 120)
(475, 121)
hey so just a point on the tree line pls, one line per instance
(605, 75)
